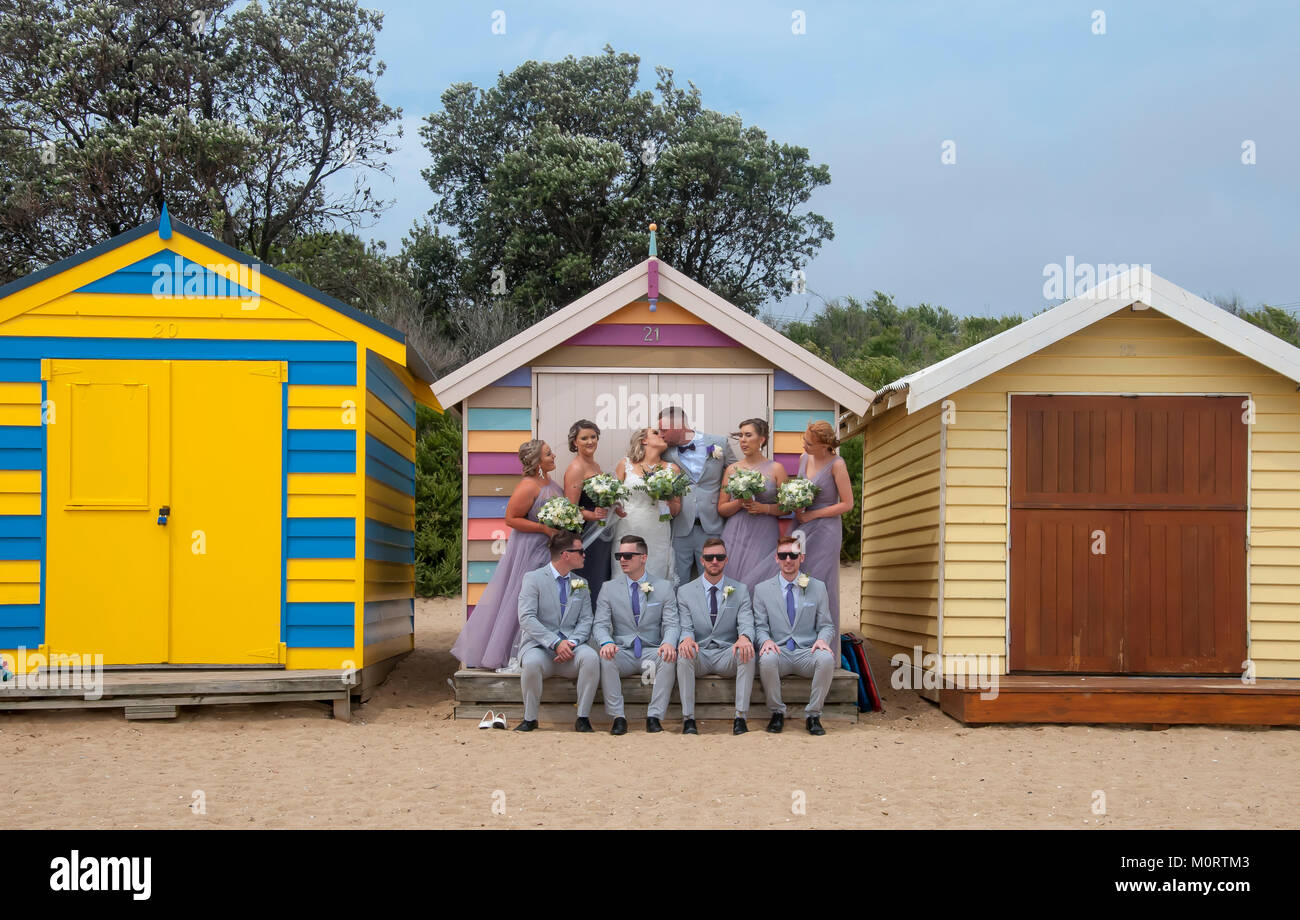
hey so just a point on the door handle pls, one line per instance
(163, 512)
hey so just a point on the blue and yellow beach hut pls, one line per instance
(203, 462)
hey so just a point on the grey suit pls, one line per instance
(699, 519)
(544, 624)
(656, 625)
(716, 655)
(812, 622)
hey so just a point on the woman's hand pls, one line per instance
(803, 515)
(600, 514)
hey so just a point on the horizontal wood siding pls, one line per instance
(900, 530)
(1130, 352)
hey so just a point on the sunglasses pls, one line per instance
(788, 555)
(714, 557)
(622, 556)
(580, 552)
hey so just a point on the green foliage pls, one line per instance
(1280, 323)
(553, 175)
(437, 504)
(851, 549)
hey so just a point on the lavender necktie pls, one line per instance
(636, 616)
(789, 611)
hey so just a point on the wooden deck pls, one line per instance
(144, 693)
(477, 691)
(1156, 701)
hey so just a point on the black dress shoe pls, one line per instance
(619, 727)
(583, 724)
(776, 723)
(738, 726)
(652, 725)
(814, 724)
(526, 725)
(688, 727)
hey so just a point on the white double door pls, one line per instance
(620, 403)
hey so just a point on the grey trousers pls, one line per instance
(720, 661)
(818, 665)
(624, 664)
(686, 552)
(540, 663)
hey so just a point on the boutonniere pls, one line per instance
(646, 588)
(716, 452)
(576, 584)
(728, 591)
(802, 581)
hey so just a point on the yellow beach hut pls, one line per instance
(1100, 508)
(203, 462)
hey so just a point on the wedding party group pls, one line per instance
(673, 565)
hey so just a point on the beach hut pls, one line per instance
(1101, 508)
(203, 462)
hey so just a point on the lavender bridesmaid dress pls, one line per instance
(824, 536)
(751, 538)
(491, 633)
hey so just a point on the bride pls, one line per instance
(642, 518)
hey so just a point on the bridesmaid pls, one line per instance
(752, 530)
(584, 436)
(491, 636)
(821, 524)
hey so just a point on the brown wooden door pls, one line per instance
(1164, 477)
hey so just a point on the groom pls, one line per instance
(704, 457)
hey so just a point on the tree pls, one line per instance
(236, 119)
(549, 179)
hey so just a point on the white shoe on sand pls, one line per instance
(488, 719)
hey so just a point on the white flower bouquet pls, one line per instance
(796, 493)
(561, 514)
(663, 484)
(605, 491)
(745, 484)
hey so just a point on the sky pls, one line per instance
(1084, 132)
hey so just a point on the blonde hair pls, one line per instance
(822, 433)
(636, 447)
(530, 456)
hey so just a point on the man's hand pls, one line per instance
(609, 651)
(743, 649)
(564, 651)
(667, 652)
(769, 647)
(687, 648)
(819, 644)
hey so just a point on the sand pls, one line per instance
(404, 762)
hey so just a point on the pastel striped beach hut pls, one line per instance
(648, 338)
(203, 462)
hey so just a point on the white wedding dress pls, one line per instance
(643, 520)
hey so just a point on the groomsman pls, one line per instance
(792, 617)
(703, 457)
(637, 630)
(555, 618)
(717, 635)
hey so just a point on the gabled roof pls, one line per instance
(164, 228)
(1136, 286)
(676, 287)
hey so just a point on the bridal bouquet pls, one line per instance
(664, 484)
(745, 484)
(796, 493)
(605, 490)
(561, 514)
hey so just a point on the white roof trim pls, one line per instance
(1137, 285)
(729, 319)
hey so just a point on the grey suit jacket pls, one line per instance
(735, 614)
(658, 624)
(812, 620)
(541, 620)
(701, 502)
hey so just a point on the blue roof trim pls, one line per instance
(230, 252)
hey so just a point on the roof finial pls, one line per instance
(652, 273)
(164, 223)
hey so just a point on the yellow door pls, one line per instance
(200, 438)
(107, 475)
(225, 523)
